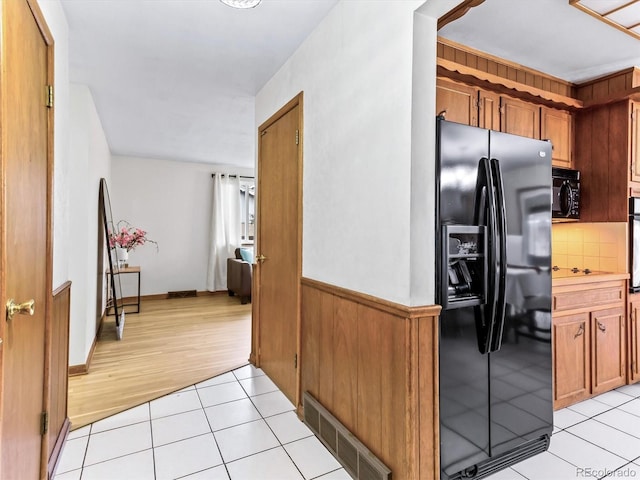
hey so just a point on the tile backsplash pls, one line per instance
(598, 246)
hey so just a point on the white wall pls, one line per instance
(81, 157)
(368, 76)
(171, 200)
(57, 23)
(355, 71)
(91, 160)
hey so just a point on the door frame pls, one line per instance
(255, 321)
(49, 42)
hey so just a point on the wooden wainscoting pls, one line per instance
(58, 360)
(374, 365)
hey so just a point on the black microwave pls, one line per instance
(566, 194)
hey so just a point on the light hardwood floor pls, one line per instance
(169, 345)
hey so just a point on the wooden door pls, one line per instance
(634, 337)
(519, 117)
(635, 141)
(458, 102)
(571, 362)
(25, 246)
(280, 243)
(557, 126)
(608, 349)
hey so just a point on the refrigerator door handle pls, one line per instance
(501, 247)
(485, 214)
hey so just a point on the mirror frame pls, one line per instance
(115, 301)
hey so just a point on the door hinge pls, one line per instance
(295, 361)
(297, 137)
(44, 423)
(49, 94)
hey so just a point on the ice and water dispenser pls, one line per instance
(465, 264)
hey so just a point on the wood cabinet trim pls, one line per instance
(456, 71)
(463, 63)
(457, 12)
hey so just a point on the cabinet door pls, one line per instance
(557, 126)
(519, 117)
(634, 334)
(571, 359)
(488, 110)
(458, 102)
(608, 347)
(635, 141)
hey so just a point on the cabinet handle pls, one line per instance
(601, 327)
(580, 331)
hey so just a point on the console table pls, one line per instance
(123, 271)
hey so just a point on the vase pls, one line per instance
(122, 256)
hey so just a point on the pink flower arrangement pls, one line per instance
(128, 237)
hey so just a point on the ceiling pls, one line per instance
(176, 79)
(547, 35)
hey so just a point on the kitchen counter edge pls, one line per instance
(600, 277)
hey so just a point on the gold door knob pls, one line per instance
(261, 258)
(27, 308)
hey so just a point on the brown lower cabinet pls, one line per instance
(589, 340)
(634, 336)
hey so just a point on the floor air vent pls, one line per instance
(357, 459)
(182, 294)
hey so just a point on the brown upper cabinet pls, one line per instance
(607, 154)
(457, 102)
(557, 126)
(486, 109)
(519, 117)
(467, 104)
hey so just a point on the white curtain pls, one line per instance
(225, 229)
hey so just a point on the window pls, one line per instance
(247, 209)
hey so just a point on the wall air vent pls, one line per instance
(357, 459)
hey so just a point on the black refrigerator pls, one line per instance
(493, 256)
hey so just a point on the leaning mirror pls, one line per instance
(114, 293)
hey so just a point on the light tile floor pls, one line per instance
(236, 426)
(598, 438)
(239, 426)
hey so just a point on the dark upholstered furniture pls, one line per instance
(239, 277)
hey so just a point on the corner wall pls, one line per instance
(90, 159)
(368, 75)
(81, 157)
(355, 71)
